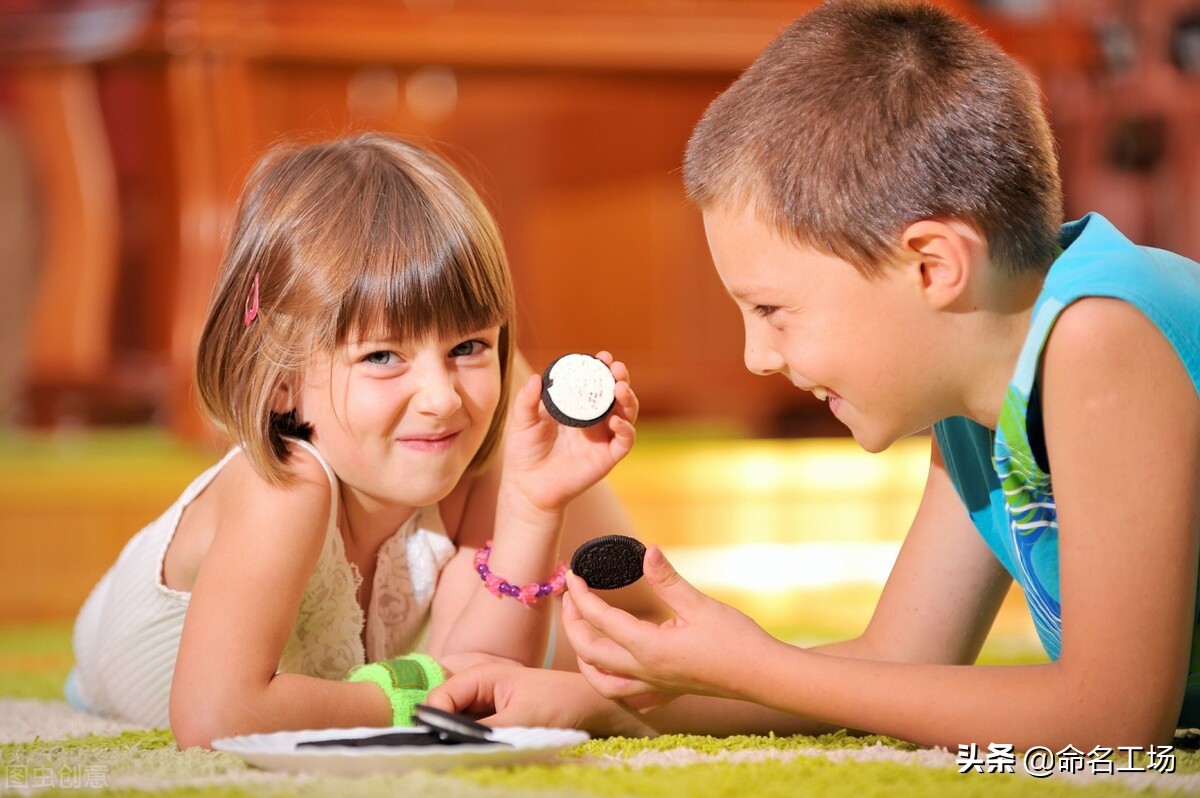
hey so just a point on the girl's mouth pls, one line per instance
(430, 443)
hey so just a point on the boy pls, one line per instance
(881, 197)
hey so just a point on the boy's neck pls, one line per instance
(995, 334)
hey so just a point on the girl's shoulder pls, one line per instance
(303, 502)
(238, 501)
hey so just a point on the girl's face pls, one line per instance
(817, 321)
(400, 421)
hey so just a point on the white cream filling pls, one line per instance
(581, 386)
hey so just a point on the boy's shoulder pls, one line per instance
(1098, 260)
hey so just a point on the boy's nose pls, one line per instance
(762, 362)
(761, 356)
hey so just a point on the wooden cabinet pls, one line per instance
(571, 118)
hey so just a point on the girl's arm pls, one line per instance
(1123, 435)
(545, 465)
(242, 608)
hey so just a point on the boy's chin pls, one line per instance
(873, 441)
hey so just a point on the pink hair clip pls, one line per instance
(252, 302)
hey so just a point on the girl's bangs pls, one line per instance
(443, 293)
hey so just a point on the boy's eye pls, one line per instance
(381, 358)
(472, 347)
(764, 310)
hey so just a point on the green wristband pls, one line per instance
(405, 681)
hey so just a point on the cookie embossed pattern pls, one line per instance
(609, 562)
(578, 390)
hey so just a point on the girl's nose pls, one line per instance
(438, 393)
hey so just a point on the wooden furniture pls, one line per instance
(1129, 124)
(571, 117)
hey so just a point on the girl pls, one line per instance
(358, 349)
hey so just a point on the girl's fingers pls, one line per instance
(627, 402)
(619, 371)
(525, 408)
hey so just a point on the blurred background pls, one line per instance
(127, 126)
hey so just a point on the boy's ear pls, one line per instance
(941, 257)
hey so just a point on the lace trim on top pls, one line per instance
(327, 638)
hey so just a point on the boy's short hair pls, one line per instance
(364, 236)
(861, 118)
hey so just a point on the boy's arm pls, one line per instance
(1123, 424)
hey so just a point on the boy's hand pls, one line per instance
(703, 649)
(546, 463)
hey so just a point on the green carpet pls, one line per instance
(34, 658)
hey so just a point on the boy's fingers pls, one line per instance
(581, 634)
(648, 700)
(593, 643)
(611, 685)
(675, 591)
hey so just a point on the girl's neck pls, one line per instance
(367, 522)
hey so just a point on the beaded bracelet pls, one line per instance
(528, 594)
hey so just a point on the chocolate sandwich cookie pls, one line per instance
(438, 728)
(578, 390)
(609, 562)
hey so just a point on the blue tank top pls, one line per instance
(1002, 476)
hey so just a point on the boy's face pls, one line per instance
(814, 319)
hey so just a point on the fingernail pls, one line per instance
(654, 557)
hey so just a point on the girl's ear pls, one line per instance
(942, 257)
(283, 401)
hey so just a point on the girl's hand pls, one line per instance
(505, 694)
(546, 463)
(701, 650)
(457, 663)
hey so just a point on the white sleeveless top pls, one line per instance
(127, 635)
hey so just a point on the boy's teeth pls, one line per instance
(820, 393)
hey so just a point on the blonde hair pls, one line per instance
(862, 117)
(361, 235)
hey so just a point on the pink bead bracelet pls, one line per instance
(528, 594)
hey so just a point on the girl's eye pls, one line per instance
(764, 310)
(466, 348)
(381, 358)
